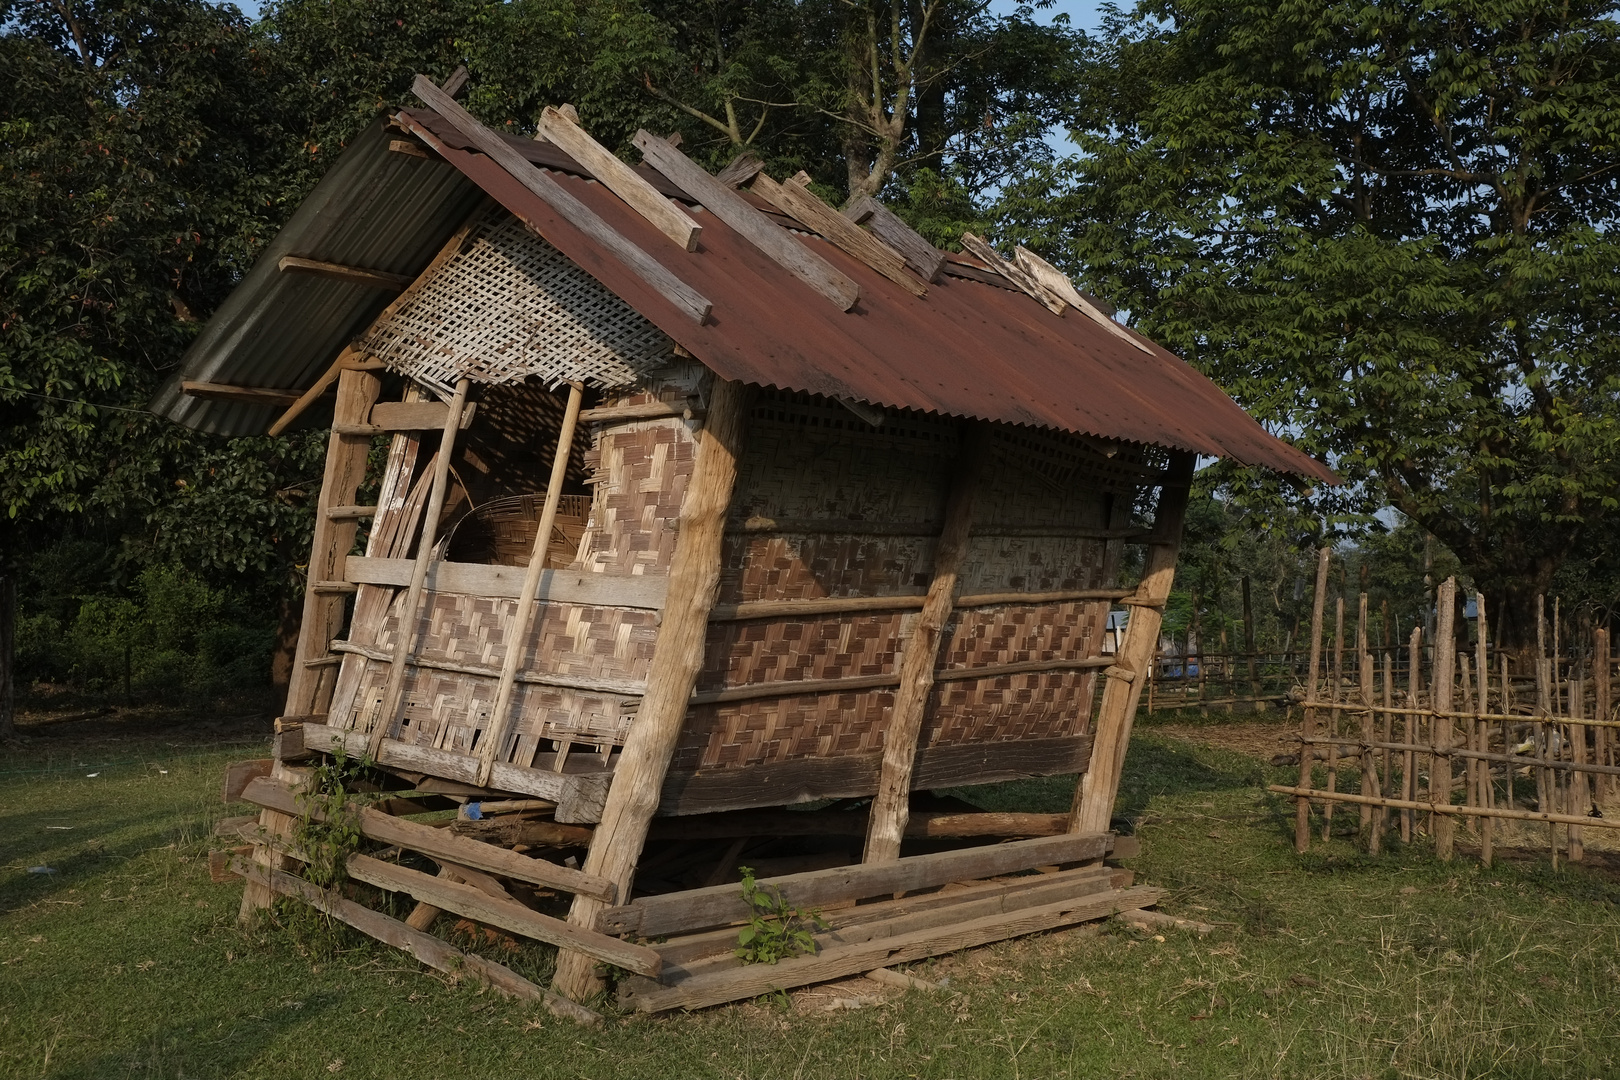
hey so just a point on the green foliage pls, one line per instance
(170, 637)
(1390, 231)
(776, 930)
(327, 829)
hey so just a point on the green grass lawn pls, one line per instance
(128, 962)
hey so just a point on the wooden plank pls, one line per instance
(408, 148)
(741, 169)
(576, 213)
(626, 687)
(423, 946)
(646, 410)
(798, 202)
(1094, 796)
(1012, 272)
(694, 577)
(645, 592)
(620, 178)
(919, 254)
(439, 843)
(349, 513)
(476, 904)
(353, 275)
(695, 909)
(889, 918)
(308, 691)
(756, 979)
(920, 654)
(500, 717)
(855, 776)
(1057, 282)
(251, 395)
(411, 607)
(389, 416)
(239, 774)
(840, 823)
(730, 207)
(854, 605)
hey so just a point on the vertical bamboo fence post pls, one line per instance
(410, 612)
(1369, 732)
(1443, 826)
(891, 806)
(1333, 714)
(694, 581)
(1602, 666)
(1248, 647)
(500, 718)
(1578, 796)
(1409, 728)
(1307, 748)
(1093, 805)
(1482, 668)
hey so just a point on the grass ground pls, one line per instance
(127, 962)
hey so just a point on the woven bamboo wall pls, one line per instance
(811, 459)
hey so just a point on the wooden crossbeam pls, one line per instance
(576, 213)
(724, 203)
(920, 255)
(250, 395)
(797, 201)
(353, 275)
(559, 128)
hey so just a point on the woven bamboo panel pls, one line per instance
(641, 471)
(783, 729)
(775, 650)
(1011, 707)
(510, 306)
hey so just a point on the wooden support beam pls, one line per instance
(500, 716)
(248, 395)
(352, 275)
(415, 415)
(487, 579)
(646, 410)
(841, 823)
(439, 843)
(741, 169)
(1094, 797)
(1012, 272)
(920, 255)
(732, 984)
(478, 905)
(559, 128)
(694, 580)
(424, 947)
(920, 653)
(854, 605)
(349, 513)
(718, 905)
(411, 607)
(309, 689)
(724, 203)
(576, 213)
(1057, 282)
(797, 201)
(1445, 663)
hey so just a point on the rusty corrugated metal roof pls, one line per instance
(966, 349)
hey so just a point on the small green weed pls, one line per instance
(776, 930)
(327, 830)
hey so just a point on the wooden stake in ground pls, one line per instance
(1094, 798)
(1333, 714)
(1445, 653)
(410, 611)
(1602, 667)
(919, 654)
(500, 718)
(1369, 765)
(1307, 752)
(694, 580)
(1414, 683)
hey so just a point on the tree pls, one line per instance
(1390, 230)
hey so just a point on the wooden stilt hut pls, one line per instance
(699, 500)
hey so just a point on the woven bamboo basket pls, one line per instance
(502, 530)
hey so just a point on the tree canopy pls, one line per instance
(1390, 231)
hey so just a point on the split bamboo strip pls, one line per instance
(500, 715)
(1487, 827)
(1333, 716)
(410, 610)
(1302, 809)
(1445, 655)
(1369, 765)
(1414, 679)
(1451, 808)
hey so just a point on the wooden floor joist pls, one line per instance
(425, 947)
